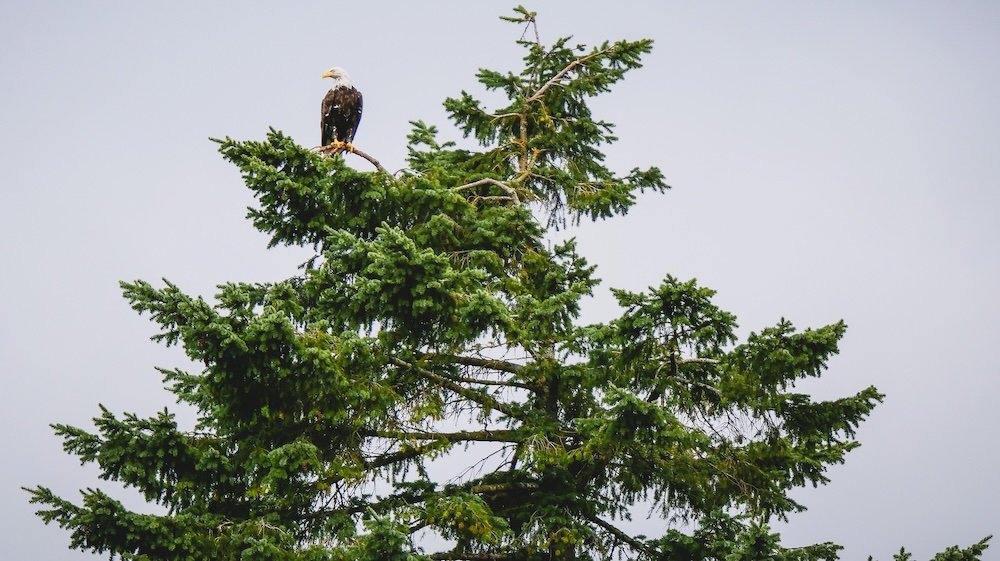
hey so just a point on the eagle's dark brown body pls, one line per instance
(341, 113)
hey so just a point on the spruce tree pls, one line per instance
(435, 326)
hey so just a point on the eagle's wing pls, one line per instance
(328, 124)
(357, 115)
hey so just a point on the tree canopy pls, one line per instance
(437, 325)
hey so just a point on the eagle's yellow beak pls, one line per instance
(327, 75)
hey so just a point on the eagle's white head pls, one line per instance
(340, 77)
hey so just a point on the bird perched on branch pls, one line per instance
(341, 111)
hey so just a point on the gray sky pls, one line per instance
(829, 160)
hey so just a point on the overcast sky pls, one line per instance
(828, 160)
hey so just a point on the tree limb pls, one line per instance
(374, 162)
(470, 380)
(380, 505)
(465, 556)
(620, 535)
(492, 364)
(385, 460)
(387, 502)
(490, 181)
(389, 459)
(501, 487)
(698, 360)
(481, 398)
(559, 75)
(331, 150)
(460, 436)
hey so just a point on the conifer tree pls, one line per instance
(435, 326)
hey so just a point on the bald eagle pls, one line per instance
(341, 111)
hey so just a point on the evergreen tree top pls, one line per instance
(435, 325)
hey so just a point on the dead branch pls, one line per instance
(620, 535)
(490, 363)
(501, 487)
(698, 360)
(481, 381)
(331, 150)
(460, 436)
(401, 456)
(481, 398)
(490, 181)
(465, 556)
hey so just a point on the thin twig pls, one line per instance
(531, 23)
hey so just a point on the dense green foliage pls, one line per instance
(436, 322)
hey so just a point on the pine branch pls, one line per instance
(501, 487)
(479, 397)
(698, 360)
(466, 556)
(559, 75)
(379, 505)
(408, 498)
(460, 436)
(395, 457)
(620, 535)
(508, 383)
(492, 364)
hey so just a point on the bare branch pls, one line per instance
(331, 150)
(512, 384)
(479, 397)
(386, 460)
(417, 527)
(465, 556)
(401, 456)
(385, 503)
(487, 363)
(620, 535)
(371, 159)
(490, 363)
(698, 360)
(499, 116)
(460, 436)
(490, 181)
(501, 487)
